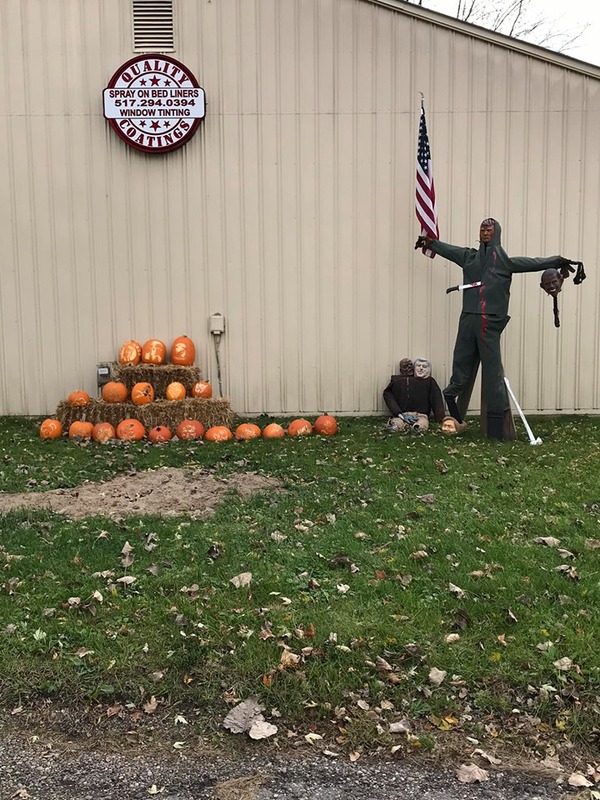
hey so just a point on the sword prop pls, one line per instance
(462, 286)
(532, 439)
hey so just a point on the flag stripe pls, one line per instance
(425, 205)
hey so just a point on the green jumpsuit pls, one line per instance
(484, 316)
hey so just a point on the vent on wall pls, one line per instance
(153, 26)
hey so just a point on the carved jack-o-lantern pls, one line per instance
(190, 429)
(175, 391)
(183, 351)
(142, 394)
(130, 430)
(154, 352)
(51, 429)
(130, 354)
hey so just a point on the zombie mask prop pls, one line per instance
(422, 368)
(406, 368)
(487, 230)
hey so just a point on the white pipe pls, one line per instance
(532, 439)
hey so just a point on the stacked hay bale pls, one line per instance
(169, 413)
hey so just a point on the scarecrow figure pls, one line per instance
(412, 396)
(488, 273)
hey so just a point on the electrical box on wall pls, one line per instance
(103, 375)
(217, 324)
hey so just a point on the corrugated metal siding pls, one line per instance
(292, 209)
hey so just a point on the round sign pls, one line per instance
(154, 103)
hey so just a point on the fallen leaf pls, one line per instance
(592, 544)
(577, 779)
(565, 553)
(549, 541)
(311, 738)
(471, 773)
(354, 756)
(151, 705)
(452, 637)
(155, 790)
(563, 664)
(426, 498)
(456, 590)
(567, 570)
(436, 676)
(487, 756)
(402, 726)
(289, 660)
(262, 730)
(243, 716)
(127, 580)
(243, 579)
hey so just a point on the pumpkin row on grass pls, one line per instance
(187, 430)
(154, 351)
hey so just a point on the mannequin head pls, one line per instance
(422, 368)
(449, 425)
(406, 368)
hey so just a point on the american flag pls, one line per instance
(425, 194)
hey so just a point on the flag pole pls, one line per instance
(425, 205)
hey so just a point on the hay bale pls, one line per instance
(213, 411)
(159, 375)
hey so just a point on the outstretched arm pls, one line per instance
(524, 264)
(456, 254)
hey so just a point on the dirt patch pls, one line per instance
(165, 492)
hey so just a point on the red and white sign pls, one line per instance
(154, 103)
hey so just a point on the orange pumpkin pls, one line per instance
(142, 394)
(160, 434)
(273, 431)
(175, 391)
(183, 351)
(114, 392)
(78, 398)
(247, 431)
(102, 432)
(51, 429)
(130, 354)
(218, 433)
(326, 425)
(80, 430)
(130, 430)
(190, 429)
(300, 427)
(202, 389)
(154, 352)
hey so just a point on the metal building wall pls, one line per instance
(291, 210)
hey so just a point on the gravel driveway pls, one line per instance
(43, 771)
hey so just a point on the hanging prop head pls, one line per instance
(551, 282)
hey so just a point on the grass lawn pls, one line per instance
(393, 578)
